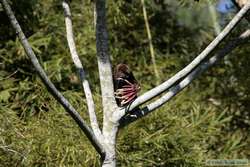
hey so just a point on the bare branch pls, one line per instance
(187, 80)
(79, 66)
(104, 64)
(50, 86)
(170, 82)
(151, 47)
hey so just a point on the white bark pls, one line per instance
(105, 141)
(50, 86)
(241, 3)
(79, 66)
(170, 82)
(187, 80)
(110, 127)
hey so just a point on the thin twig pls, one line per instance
(50, 86)
(187, 80)
(79, 66)
(9, 76)
(151, 47)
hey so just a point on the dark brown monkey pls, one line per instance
(126, 86)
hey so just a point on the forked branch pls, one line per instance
(188, 79)
(50, 86)
(82, 75)
(170, 82)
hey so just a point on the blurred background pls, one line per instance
(208, 120)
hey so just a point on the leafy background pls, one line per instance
(210, 119)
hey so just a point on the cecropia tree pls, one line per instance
(117, 114)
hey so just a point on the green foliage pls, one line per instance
(210, 119)
(168, 139)
(39, 142)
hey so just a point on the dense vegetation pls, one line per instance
(210, 119)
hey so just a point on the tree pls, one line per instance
(115, 117)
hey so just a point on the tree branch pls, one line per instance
(50, 86)
(170, 82)
(110, 126)
(104, 64)
(79, 66)
(187, 80)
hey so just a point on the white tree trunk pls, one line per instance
(110, 130)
